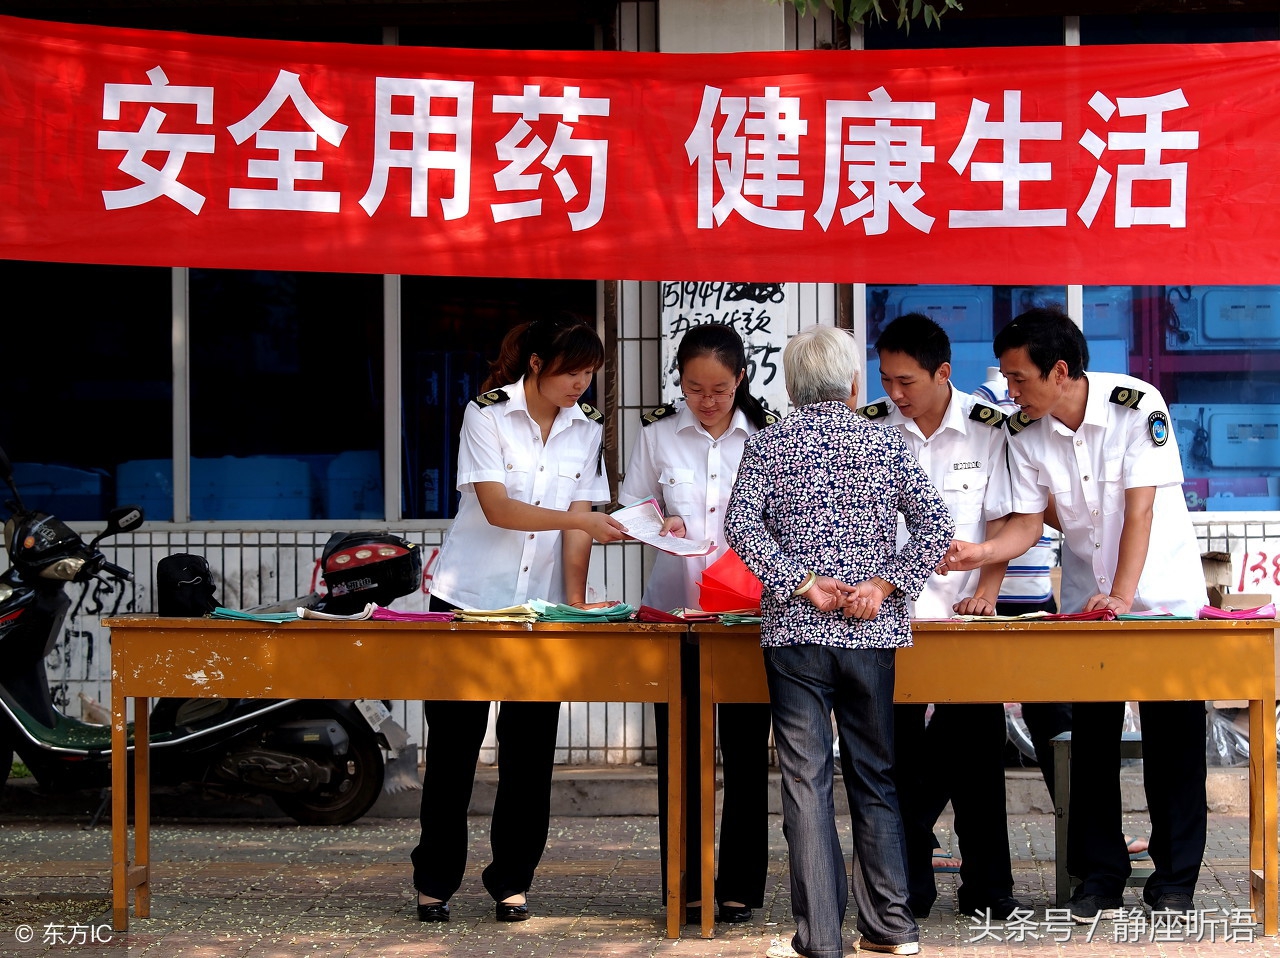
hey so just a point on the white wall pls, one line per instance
(721, 26)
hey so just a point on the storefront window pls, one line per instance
(450, 330)
(87, 384)
(1212, 351)
(971, 316)
(1215, 355)
(286, 395)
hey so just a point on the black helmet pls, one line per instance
(363, 567)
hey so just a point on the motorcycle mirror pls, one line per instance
(123, 519)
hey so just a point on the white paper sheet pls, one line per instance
(644, 520)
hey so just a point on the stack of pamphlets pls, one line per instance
(222, 613)
(514, 613)
(1267, 611)
(365, 613)
(560, 612)
(391, 615)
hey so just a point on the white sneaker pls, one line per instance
(905, 948)
(781, 949)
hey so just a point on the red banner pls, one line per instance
(1047, 165)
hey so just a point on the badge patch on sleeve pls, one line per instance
(1158, 427)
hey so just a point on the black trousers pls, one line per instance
(521, 812)
(1173, 772)
(1044, 719)
(743, 863)
(962, 755)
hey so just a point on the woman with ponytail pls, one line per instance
(687, 457)
(529, 471)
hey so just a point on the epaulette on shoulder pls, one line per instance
(491, 398)
(987, 414)
(1127, 397)
(1018, 423)
(875, 410)
(665, 411)
(590, 411)
(770, 417)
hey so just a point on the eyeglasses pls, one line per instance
(692, 396)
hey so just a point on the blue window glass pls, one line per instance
(450, 330)
(286, 395)
(87, 385)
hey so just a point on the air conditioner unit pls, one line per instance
(1228, 436)
(1206, 318)
(965, 312)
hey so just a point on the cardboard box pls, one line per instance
(1220, 598)
(1217, 571)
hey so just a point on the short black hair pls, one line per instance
(1048, 335)
(919, 337)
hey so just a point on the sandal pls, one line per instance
(1136, 847)
(944, 863)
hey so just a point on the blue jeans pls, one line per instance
(806, 684)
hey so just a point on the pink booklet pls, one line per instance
(391, 615)
(1267, 611)
(1097, 615)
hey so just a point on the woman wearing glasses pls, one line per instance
(687, 457)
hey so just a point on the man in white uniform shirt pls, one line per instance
(1028, 587)
(960, 443)
(1101, 445)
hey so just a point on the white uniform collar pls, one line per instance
(685, 419)
(1095, 406)
(520, 403)
(956, 417)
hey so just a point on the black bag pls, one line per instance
(184, 586)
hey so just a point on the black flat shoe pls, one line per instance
(733, 914)
(507, 912)
(1002, 909)
(436, 911)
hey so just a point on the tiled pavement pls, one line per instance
(268, 888)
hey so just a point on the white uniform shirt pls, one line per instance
(483, 567)
(1087, 471)
(1026, 578)
(691, 474)
(965, 461)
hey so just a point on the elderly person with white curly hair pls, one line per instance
(814, 514)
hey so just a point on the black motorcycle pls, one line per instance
(321, 761)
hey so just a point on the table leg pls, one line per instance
(119, 811)
(1264, 884)
(707, 777)
(142, 802)
(676, 831)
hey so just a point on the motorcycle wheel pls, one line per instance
(356, 785)
(6, 763)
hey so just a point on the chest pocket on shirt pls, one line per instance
(964, 492)
(519, 478)
(679, 491)
(568, 476)
(1113, 482)
(1062, 486)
